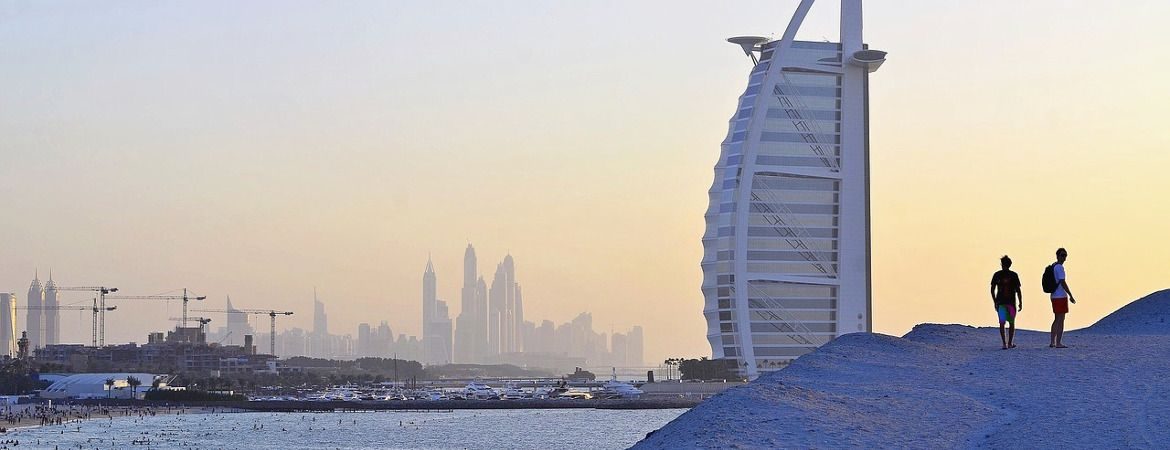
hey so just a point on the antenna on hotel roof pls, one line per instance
(749, 44)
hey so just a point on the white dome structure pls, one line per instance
(93, 385)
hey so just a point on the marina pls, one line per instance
(480, 394)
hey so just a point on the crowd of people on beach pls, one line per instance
(1009, 298)
(45, 414)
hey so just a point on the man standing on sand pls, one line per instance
(1005, 291)
(1061, 297)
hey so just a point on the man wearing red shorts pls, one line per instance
(1061, 297)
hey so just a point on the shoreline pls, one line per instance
(449, 405)
(16, 418)
(64, 416)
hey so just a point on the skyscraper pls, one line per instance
(481, 318)
(468, 332)
(518, 322)
(320, 341)
(320, 319)
(634, 347)
(8, 334)
(619, 350)
(52, 333)
(436, 322)
(496, 300)
(428, 298)
(440, 342)
(786, 250)
(365, 341)
(384, 341)
(237, 324)
(508, 319)
(502, 318)
(36, 315)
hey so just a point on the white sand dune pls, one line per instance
(951, 386)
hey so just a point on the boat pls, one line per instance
(477, 390)
(550, 391)
(618, 389)
(574, 395)
(512, 392)
(435, 394)
(337, 394)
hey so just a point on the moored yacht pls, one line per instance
(618, 389)
(512, 392)
(476, 390)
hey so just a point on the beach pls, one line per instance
(14, 417)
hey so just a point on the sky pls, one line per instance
(264, 149)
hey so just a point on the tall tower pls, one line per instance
(481, 318)
(468, 332)
(52, 314)
(634, 346)
(518, 322)
(439, 345)
(429, 297)
(8, 324)
(496, 300)
(786, 264)
(320, 340)
(320, 319)
(432, 348)
(237, 325)
(36, 315)
(508, 318)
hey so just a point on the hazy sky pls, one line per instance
(259, 149)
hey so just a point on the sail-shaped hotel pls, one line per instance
(786, 264)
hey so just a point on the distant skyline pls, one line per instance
(260, 149)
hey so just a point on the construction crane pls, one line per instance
(101, 308)
(271, 313)
(94, 308)
(185, 298)
(202, 322)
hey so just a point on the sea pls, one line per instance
(471, 429)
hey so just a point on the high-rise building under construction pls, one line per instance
(786, 263)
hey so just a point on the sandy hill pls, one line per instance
(951, 386)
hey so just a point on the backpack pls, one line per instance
(1048, 281)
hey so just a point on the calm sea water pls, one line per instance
(489, 429)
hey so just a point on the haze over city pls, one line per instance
(268, 149)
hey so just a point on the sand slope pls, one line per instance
(950, 386)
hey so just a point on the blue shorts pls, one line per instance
(1007, 313)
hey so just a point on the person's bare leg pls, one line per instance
(1011, 335)
(1060, 331)
(1002, 337)
(1052, 333)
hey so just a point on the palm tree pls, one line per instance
(109, 387)
(134, 382)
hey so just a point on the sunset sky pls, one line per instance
(261, 149)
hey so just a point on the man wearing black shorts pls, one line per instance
(1005, 290)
